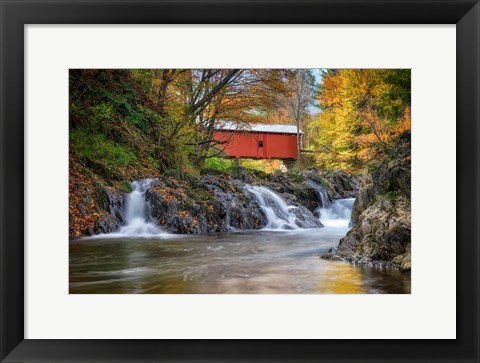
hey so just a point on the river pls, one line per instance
(269, 261)
(281, 258)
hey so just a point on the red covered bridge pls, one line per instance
(258, 141)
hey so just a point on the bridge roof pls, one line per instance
(273, 128)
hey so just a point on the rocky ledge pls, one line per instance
(381, 215)
(218, 202)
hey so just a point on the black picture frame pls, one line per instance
(15, 14)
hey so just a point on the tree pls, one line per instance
(241, 96)
(363, 110)
(299, 98)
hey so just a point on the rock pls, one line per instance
(360, 204)
(398, 259)
(339, 184)
(406, 264)
(205, 204)
(180, 202)
(106, 224)
(112, 201)
(381, 215)
(305, 218)
(243, 175)
(304, 186)
(82, 209)
(215, 202)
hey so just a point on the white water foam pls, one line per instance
(333, 214)
(277, 212)
(135, 212)
(135, 215)
(338, 213)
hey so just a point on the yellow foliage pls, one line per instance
(363, 111)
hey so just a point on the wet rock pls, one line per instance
(360, 204)
(305, 218)
(214, 202)
(180, 202)
(406, 264)
(338, 183)
(381, 215)
(112, 201)
(243, 175)
(305, 186)
(82, 209)
(106, 224)
(205, 204)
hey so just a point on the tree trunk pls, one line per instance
(299, 144)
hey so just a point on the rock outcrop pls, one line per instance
(201, 205)
(94, 207)
(111, 203)
(381, 216)
(304, 186)
(218, 202)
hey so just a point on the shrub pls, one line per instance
(101, 116)
(89, 146)
(218, 164)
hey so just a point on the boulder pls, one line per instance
(206, 204)
(111, 201)
(106, 224)
(381, 215)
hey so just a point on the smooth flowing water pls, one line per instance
(321, 192)
(278, 213)
(235, 263)
(283, 259)
(338, 213)
(136, 214)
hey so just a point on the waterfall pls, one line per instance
(338, 213)
(135, 211)
(277, 212)
(321, 192)
(332, 214)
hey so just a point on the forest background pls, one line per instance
(126, 124)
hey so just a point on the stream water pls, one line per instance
(282, 258)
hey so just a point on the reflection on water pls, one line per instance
(263, 262)
(341, 278)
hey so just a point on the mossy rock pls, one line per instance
(126, 187)
(210, 171)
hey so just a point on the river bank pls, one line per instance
(381, 216)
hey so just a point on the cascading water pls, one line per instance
(333, 214)
(277, 212)
(321, 192)
(338, 214)
(135, 211)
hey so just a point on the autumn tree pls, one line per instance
(186, 102)
(363, 110)
(298, 100)
(205, 90)
(245, 96)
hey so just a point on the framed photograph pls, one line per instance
(240, 181)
